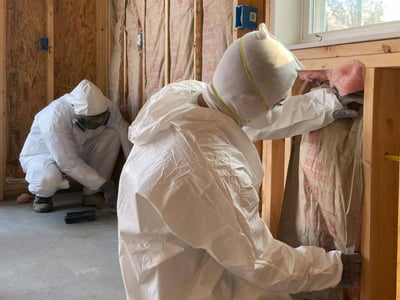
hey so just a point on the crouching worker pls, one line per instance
(79, 135)
(188, 205)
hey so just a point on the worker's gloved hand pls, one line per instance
(351, 104)
(345, 113)
(349, 99)
(110, 193)
(351, 269)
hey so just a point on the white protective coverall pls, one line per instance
(56, 147)
(188, 219)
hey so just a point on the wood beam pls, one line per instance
(381, 135)
(50, 52)
(102, 44)
(198, 39)
(167, 59)
(398, 245)
(272, 191)
(3, 98)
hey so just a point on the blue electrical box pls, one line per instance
(43, 44)
(246, 17)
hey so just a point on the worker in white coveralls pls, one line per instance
(188, 217)
(79, 135)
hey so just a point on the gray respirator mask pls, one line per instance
(91, 122)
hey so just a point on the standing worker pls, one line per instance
(79, 135)
(188, 218)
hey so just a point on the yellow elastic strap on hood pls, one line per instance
(229, 110)
(252, 82)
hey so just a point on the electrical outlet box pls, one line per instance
(44, 44)
(246, 17)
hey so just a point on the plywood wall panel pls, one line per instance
(74, 44)
(25, 74)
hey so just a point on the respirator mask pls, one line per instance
(91, 122)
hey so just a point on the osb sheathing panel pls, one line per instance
(181, 40)
(217, 34)
(74, 44)
(25, 74)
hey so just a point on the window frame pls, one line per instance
(382, 31)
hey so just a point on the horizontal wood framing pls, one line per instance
(377, 54)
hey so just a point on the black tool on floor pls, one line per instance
(80, 216)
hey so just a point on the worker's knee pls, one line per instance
(44, 178)
(46, 187)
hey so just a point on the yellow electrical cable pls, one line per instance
(392, 157)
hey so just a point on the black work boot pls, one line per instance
(42, 204)
(95, 200)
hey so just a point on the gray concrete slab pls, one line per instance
(42, 257)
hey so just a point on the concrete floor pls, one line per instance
(42, 257)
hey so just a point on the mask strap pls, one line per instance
(246, 69)
(230, 111)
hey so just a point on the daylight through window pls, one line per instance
(331, 15)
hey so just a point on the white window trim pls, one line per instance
(361, 34)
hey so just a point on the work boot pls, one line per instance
(95, 200)
(42, 204)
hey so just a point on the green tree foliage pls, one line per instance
(342, 14)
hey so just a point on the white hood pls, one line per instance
(87, 99)
(255, 73)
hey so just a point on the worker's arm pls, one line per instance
(296, 115)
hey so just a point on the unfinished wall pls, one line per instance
(168, 42)
(29, 71)
(25, 74)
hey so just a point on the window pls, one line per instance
(331, 15)
(326, 22)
